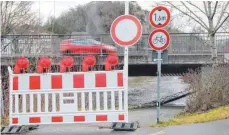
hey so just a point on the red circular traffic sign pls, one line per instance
(159, 17)
(159, 39)
(126, 30)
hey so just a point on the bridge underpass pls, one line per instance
(166, 69)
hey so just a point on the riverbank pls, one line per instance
(187, 118)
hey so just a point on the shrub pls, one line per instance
(210, 87)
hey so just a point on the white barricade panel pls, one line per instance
(68, 81)
(72, 97)
(69, 118)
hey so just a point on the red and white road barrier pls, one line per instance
(69, 97)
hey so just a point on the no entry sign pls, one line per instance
(159, 17)
(159, 39)
(126, 30)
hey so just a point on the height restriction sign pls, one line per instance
(159, 17)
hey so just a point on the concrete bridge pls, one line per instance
(185, 48)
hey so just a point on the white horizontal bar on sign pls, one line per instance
(66, 91)
(70, 113)
(34, 74)
(68, 97)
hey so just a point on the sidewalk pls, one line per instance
(146, 117)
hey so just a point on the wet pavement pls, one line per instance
(146, 117)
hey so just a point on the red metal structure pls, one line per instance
(88, 61)
(21, 65)
(66, 63)
(43, 65)
(111, 60)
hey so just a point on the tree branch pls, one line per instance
(14, 15)
(194, 14)
(196, 7)
(189, 16)
(217, 28)
(209, 9)
(205, 8)
(213, 14)
(221, 15)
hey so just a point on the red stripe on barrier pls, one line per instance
(121, 117)
(100, 80)
(34, 120)
(15, 83)
(56, 81)
(120, 79)
(78, 81)
(34, 82)
(57, 119)
(101, 117)
(15, 120)
(79, 118)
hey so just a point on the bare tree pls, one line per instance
(210, 16)
(16, 18)
(15, 14)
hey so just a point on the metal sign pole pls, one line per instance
(158, 84)
(2, 104)
(126, 66)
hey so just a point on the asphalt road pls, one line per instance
(146, 117)
(211, 128)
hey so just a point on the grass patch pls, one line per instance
(4, 121)
(187, 118)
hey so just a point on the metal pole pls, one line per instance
(53, 24)
(2, 103)
(126, 68)
(158, 84)
(10, 96)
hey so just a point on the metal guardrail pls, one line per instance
(181, 43)
(195, 43)
(185, 48)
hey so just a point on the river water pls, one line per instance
(144, 89)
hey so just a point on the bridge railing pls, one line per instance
(184, 47)
(17, 45)
(197, 43)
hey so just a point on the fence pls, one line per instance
(197, 43)
(16, 45)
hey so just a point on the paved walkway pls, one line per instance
(220, 127)
(146, 117)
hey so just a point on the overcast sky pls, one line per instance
(47, 7)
